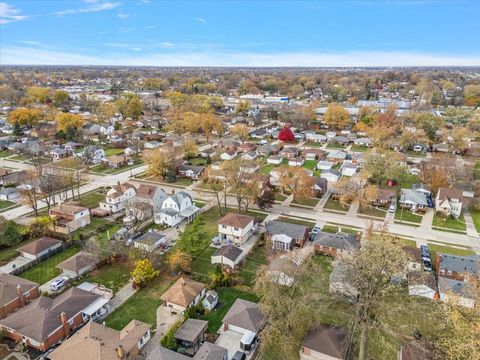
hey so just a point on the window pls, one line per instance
(236, 229)
(449, 272)
(224, 226)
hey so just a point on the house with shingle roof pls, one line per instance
(177, 208)
(40, 247)
(46, 321)
(69, 217)
(15, 292)
(78, 264)
(325, 342)
(335, 244)
(227, 255)
(244, 316)
(191, 335)
(458, 267)
(236, 228)
(284, 236)
(98, 342)
(183, 294)
(117, 196)
(449, 201)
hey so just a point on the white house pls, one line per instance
(236, 228)
(117, 196)
(228, 155)
(9, 194)
(211, 300)
(349, 169)
(324, 165)
(227, 255)
(275, 160)
(296, 161)
(40, 247)
(176, 208)
(314, 137)
(331, 175)
(449, 201)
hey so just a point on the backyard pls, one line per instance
(251, 264)
(46, 270)
(113, 276)
(112, 151)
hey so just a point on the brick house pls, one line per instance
(69, 217)
(458, 267)
(15, 293)
(284, 236)
(335, 244)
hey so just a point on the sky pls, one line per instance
(240, 33)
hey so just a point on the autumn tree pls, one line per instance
(65, 121)
(178, 261)
(429, 123)
(130, 105)
(434, 176)
(286, 135)
(163, 164)
(216, 183)
(240, 130)
(383, 166)
(189, 148)
(210, 123)
(297, 181)
(243, 107)
(60, 98)
(472, 95)
(143, 273)
(41, 226)
(38, 94)
(25, 117)
(337, 117)
(106, 111)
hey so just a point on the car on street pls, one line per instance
(58, 283)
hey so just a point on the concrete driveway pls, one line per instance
(46, 287)
(165, 320)
(230, 340)
(14, 264)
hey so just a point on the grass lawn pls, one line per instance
(415, 153)
(110, 152)
(335, 146)
(248, 271)
(476, 218)
(71, 162)
(359, 148)
(4, 154)
(46, 270)
(310, 164)
(91, 228)
(227, 297)
(335, 205)
(280, 197)
(202, 265)
(113, 276)
(19, 157)
(407, 216)
(198, 161)
(313, 144)
(8, 253)
(372, 212)
(296, 221)
(330, 229)
(333, 229)
(311, 202)
(91, 199)
(104, 169)
(5, 204)
(267, 168)
(141, 306)
(449, 223)
(407, 242)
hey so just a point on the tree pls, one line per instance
(429, 123)
(41, 226)
(60, 98)
(219, 277)
(210, 123)
(472, 95)
(107, 110)
(143, 273)
(10, 232)
(371, 269)
(296, 180)
(38, 94)
(243, 107)
(336, 117)
(179, 261)
(163, 164)
(189, 148)
(383, 166)
(134, 107)
(434, 176)
(25, 117)
(67, 120)
(286, 135)
(241, 130)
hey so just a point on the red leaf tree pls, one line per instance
(286, 135)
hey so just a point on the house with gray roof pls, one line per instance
(228, 255)
(244, 316)
(335, 244)
(284, 236)
(149, 241)
(9, 194)
(177, 208)
(458, 267)
(190, 171)
(191, 335)
(413, 199)
(325, 342)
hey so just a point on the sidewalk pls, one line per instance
(121, 297)
(471, 230)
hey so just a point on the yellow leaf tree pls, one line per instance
(143, 273)
(336, 117)
(68, 120)
(25, 117)
(179, 261)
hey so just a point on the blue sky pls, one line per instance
(240, 33)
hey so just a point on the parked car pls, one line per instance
(426, 260)
(314, 232)
(58, 283)
(239, 355)
(392, 208)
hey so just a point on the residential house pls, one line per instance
(117, 197)
(99, 342)
(69, 217)
(331, 175)
(422, 188)
(208, 153)
(330, 134)
(150, 145)
(340, 140)
(259, 133)
(413, 200)
(422, 284)
(190, 171)
(247, 147)
(177, 208)
(281, 270)
(211, 300)
(183, 294)
(320, 187)
(289, 152)
(267, 150)
(78, 264)
(249, 168)
(324, 165)
(449, 202)
(207, 351)
(274, 160)
(228, 155)
(284, 236)
(313, 154)
(458, 267)
(191, 335)
(456, 291)
(91, 129)
(251, 155)
(312, 136)
(152, 195)
(15, 293)
(384, 197)
(9, 194)
(325, 343)
(116, 161)
(236, 228)
(45, 321)
(335, 244)
(349, 169)
(299, 161)
(337, 156)
(149, 241)
(227, 255)
(444, 148)
(40, 247)
(244, 316)
(59, 153)
(363, 141)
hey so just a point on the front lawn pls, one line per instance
(371, 211)
(112, 276)
(297, 221)
(335, 146)
(313, 144)
(198, 161)
(449, 223)
(407, 215)
(91, 200)
(335, 205)
(111, 152)
(227, 297)
(310, 164)
(46, 270)
(5, 204)
(71, 163)
(311, 202)
(4, 154)
(476, 218)
(141, 306)
(19, 157)
(359, 148)
(280, 197)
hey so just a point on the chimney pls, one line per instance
(66, 327)
(120, 352)
(20, 295)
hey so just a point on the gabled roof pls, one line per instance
(327, 340)
(231, 252)
(246, 315)
(191, 330)
(39, 245)
(292, 230)
(236, 220)
(209, 351)
(78, 261)
(8, 287)
(341, 240)
(449, 194)
(183, 292)
(147, 191)
(460, 264)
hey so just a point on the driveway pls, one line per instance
(46, 287)
(14, 264)
(165, 320)
(230, 340)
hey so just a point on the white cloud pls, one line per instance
(166, 44)
(91, 8)
(10, 14)
(33, 55)
(150, 27)
(31, 42)
(123, 30)
(123, 15)
(201, 20)
(123, 46)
